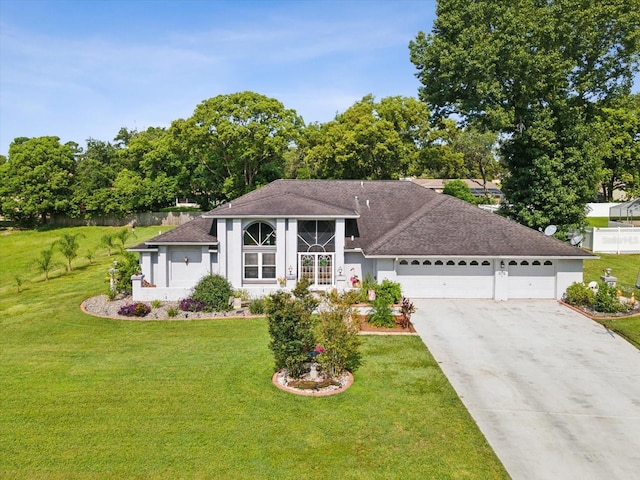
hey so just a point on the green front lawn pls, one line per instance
(84, 397)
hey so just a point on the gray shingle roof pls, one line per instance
(395, 218)
(198, 231)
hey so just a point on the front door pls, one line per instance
(316, 266)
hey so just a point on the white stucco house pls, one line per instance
(337, 231)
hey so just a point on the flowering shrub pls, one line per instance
(137, 309)
(192, 305)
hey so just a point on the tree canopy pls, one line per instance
(37, 179)
(538, 73)
(239, 141)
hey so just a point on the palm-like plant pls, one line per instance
(45, 262)
(68, 245)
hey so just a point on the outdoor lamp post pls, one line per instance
(113, 276)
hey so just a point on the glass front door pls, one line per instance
(316, 266)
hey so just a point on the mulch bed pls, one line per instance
(367, 328)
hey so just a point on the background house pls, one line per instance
(334, 232)
(476, 186)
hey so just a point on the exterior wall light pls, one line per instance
(186, 260)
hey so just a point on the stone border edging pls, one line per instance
(311, 393)
(143, 319)
(596, 318)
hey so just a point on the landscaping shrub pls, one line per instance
(127, 266)
(172, 312)
(137, 309)
(390, 291)
(214, 291)
(290, 328)
(156, 304)
(257, 306)
(192, 305)
(606, 299)
(407, 308)
(337, 334)
(381, 315)
(579, 294)
(304, 296)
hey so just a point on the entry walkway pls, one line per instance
(556, 395)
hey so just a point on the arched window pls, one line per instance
(451, 262)
(524, 262)
(462, 263)
(474, 263)
(404, 262)
(535, 262)
(438, 262)
(486, 262)
(513, 262)
(259, 252)
(427, 262)
(415, 262)
(548, 262)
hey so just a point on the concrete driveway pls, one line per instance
(556, 395)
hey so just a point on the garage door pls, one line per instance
(532, 279)
(446, 278)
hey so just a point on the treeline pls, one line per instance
(231, 145)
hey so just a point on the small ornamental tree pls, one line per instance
(68, 246)
(290, 327)
(337, 334)
(45, 262)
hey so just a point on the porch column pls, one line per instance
(291, 257)
(281, 248)
(339, 254)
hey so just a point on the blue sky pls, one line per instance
(84, 69)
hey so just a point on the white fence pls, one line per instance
(613, 240)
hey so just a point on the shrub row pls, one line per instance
(604, 300)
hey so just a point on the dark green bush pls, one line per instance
(390, 291)
(579, 294)
(214, 290)
(127, 266)
(304, 296)
(290, 328)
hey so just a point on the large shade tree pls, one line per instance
(384, 139)
(619, 140)
(37, 178)
(537, 72)
(238, 140)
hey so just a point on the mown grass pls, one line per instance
(84, 397)
(625, 268)
(598, 222)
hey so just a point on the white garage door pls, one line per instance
(446, 278)
(532, 279)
